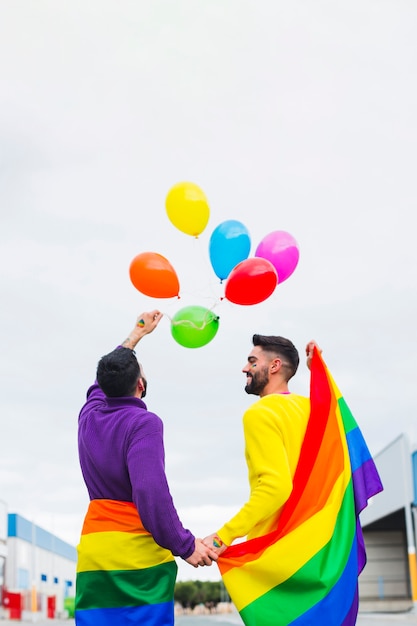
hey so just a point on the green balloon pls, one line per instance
(194, 326)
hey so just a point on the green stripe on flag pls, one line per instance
(112, 589)
(349, 422)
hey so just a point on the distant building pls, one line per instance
(39, 571)
(3, 547)
(389, 580)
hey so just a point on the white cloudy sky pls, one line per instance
(296, 116)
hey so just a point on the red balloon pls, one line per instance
(251, 281)
(152, 274)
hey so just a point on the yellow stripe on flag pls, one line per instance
(116, 550)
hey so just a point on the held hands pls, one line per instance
(202, 555)
(309, 351)
(145, 324)
(215, 543)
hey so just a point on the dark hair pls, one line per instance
(118, 373)
(280, 347)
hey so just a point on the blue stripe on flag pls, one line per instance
(334, 607)
(358, 450)
(147, 615)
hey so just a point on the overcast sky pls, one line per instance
(296, 116)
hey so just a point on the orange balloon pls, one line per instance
(153, 275)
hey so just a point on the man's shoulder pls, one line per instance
(278, 404)
(282, 399)
(143, 421)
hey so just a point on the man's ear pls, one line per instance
(275, 365)
(141, 386)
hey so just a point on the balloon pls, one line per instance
(187, 208)
(194, 326)
(229, 244)
(251, 281)
(281, 249)
(152, 274)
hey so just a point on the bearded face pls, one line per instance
(256, 379)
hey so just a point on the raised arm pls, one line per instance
(145, 324)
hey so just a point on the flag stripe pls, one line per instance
(349, 422)
(106, 515)
(365, 477)
(359, 451)
(161, 614)
(123, 588)
(119, 551)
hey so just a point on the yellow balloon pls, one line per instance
(187, 208)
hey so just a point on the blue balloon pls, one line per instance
(229, 245)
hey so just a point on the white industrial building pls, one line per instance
(39, 572)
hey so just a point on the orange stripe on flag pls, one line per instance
(107, 515)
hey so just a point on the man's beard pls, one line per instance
(258, 382)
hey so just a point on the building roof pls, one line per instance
(22, 528)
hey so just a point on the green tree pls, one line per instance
(193, 592)
(184, 593)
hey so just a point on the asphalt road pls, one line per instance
(364, 619)
(386, 619)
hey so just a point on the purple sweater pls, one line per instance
(121, 451)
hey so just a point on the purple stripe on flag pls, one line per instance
(366, 483)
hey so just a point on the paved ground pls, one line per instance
(371, 619)
(384, 619)
(365, 619)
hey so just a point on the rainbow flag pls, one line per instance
(306, 571)
(123, 576)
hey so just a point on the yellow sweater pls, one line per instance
(274, 429)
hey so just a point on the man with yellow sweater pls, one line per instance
(274, 429)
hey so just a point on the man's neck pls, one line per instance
(281, 387)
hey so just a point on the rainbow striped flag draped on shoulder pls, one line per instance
(306, 571)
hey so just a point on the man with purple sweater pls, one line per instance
(126, 568)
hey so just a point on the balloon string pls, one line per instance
(209, 271)
(208, 319)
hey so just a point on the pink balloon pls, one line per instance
(281, 249)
